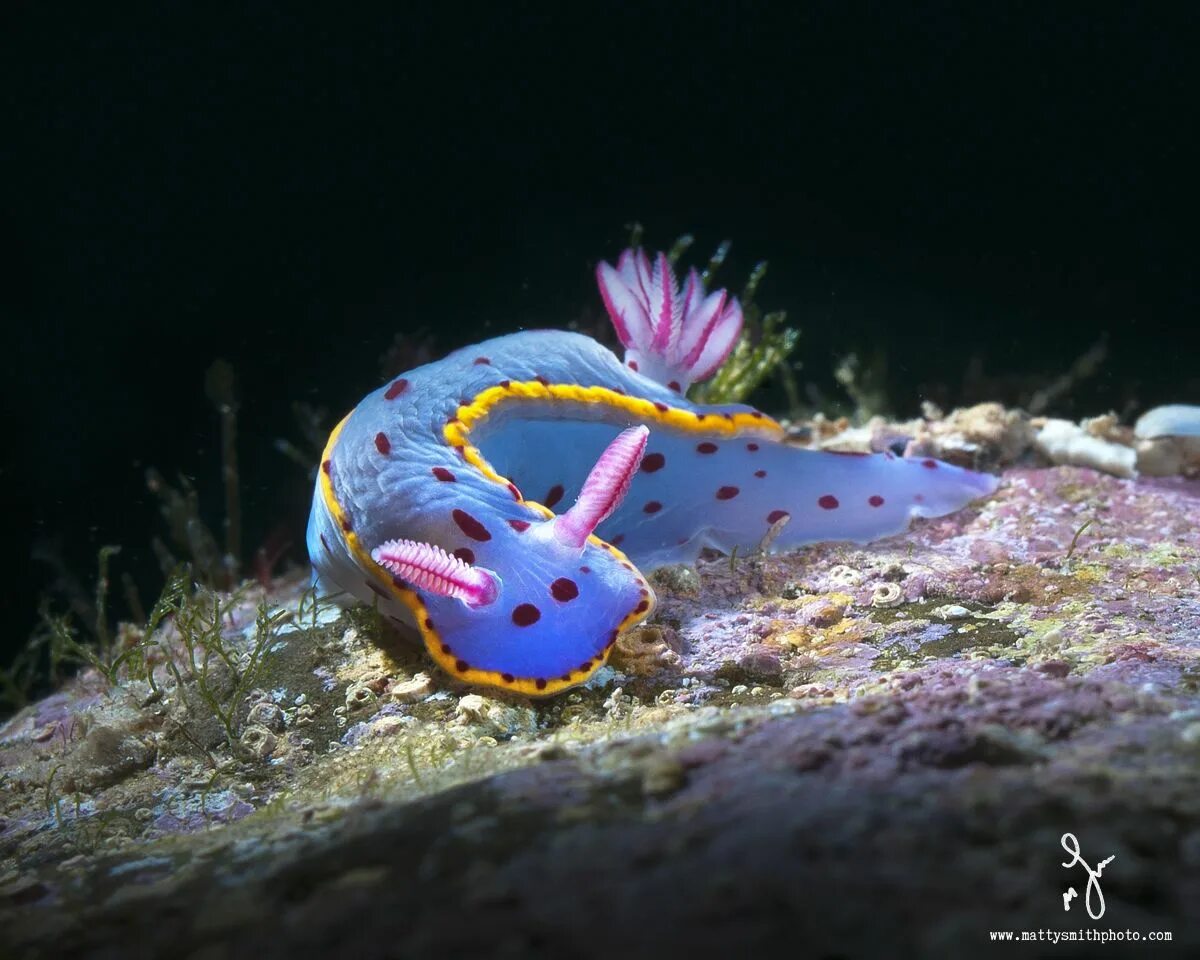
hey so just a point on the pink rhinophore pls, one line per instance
(604, 488)
(672, 335)
(430, 568)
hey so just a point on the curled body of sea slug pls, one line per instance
(437, 495)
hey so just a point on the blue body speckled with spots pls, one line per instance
(430, 457)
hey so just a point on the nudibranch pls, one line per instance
(499, 499)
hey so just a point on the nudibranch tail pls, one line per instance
(670, 335)
(430, 568)
(604, 489)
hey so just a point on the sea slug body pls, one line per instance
(443, 496)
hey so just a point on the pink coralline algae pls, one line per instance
(673, 335)
(1022, 579)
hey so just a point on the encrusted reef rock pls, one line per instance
(847, 751)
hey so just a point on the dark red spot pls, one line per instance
(553, 495)
(585, 666)
(519, 525)
(327, 466)
(585, 569)
(828, 502)
(701, 416)
(452, 420)
(752, 447)
(929, 464)
(918, 498)
(465, 554)
(446, 649)
(760, 473)
(728, 416)
(727, 493)
(428, 624)
(875, 500)
(756, 415)
(526, 614)
(505, 384)
(653, 461)
(706, 447)
(512, 488)
(347, 525)
(617, 390)
(616, 541)
(661, 407)
(652, 507)
(470, 526)
(565, 678)
(540, 683)
(542, 380)
(564, 590)
(674, 385)
(397, 388)
(482, 362)
(633, 365)
(776, 515)
(444, 475)
(507, 677)
(461, 666)
(642, 607)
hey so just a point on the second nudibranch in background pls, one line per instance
(503, 499)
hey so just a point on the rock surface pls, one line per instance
(846, 751)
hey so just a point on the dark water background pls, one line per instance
(291, 190)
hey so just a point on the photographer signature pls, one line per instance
(1071, 845)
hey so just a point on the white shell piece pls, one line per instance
(1173, 420)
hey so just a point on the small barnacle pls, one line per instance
(359, 696)
(471, 708)
(413, 690)
(304, 715)
(845, 576)
(257, 741)
(886, 595)
(266, 714)
(644, 651)
(498, 720)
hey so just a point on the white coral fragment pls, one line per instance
(1064, 442)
